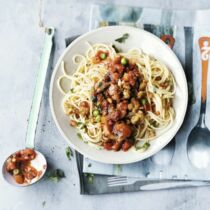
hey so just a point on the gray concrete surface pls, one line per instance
(20, 46)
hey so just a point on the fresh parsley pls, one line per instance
(55, 175)
(81, 126)
(118, 168)
(79, 123)
(94, 98)
(90, 178)
(143, 147)
(123, 38)
(89, 165)
(69, 153)
(43, 203)
(117, 50)
(80, 136)
(100, 84)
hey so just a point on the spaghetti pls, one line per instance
(118, 100)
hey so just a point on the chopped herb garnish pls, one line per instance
(123, 38)
(117, 50)
(69, 153)
(71, 90)
(99, 109)
(100, 84)
(154, 123)
(79, 135)
(89, 177)
(55, 175)
(118, 168)
(81, 125)
(89, 165)
(144, 147)
(94, 98)
(43, 203)
(132, 138)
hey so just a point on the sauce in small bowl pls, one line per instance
(24, 167)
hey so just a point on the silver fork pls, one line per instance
(114, 181)
(121, 180)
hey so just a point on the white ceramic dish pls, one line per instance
(150, 44)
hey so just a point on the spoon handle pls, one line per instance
(204, 44)
(40, 80)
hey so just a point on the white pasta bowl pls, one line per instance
(151, 45)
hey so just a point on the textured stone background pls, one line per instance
(20, 46)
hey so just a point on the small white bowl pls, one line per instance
(39, 163)
(151, 45)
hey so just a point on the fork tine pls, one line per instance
(115, 178)
(116, 184)
(116, 181)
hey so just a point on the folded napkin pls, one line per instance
(169, 167)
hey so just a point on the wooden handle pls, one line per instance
(204, 44)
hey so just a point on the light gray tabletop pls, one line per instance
(20, 47)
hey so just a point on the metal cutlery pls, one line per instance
(116, 181)
(198, 144)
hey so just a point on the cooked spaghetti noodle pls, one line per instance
(118, 100)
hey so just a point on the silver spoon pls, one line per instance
(198, 145)
(39, 163)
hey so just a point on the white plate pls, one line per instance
(150, 44)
